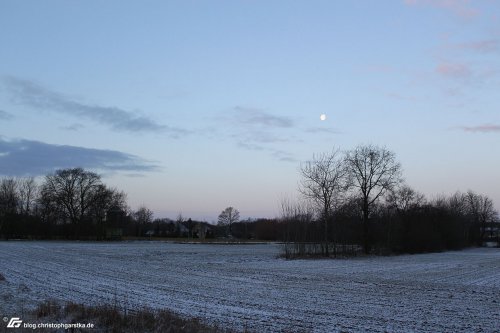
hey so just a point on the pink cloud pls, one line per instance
(461, 8)
(454, 70)
(480, 46)
(482, 128)
(484, 46)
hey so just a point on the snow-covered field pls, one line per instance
(247, 286)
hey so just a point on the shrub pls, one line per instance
(48, 308)
(110, 318)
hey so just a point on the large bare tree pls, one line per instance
(374, 171)
(73, 192)
(324, 180)
(227, 217)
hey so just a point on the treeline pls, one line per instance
(357, 200)
(73, 204)
(405, 222)
(351, 201)
(70, 204)
(76, 204)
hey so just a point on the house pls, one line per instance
(202, 230)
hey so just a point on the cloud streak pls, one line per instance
(454, 70)
(481, 46)
(4, 115)
(317, 130)
(27, 157)
(464, 74)
(278, 154)
(256, 141)
(255, 129)
(72, 127)
(488, 128)
(257, 117)
(460, 8)
(260, 137)
(35, 95)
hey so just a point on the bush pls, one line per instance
(110, 318)
(48, 308)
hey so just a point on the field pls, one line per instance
(247, 286)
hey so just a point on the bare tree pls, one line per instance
(28, 192)
(374, 171)
(457, 203)
(72, 192)
(404, 198)
(298, 218)
(9, 199)
(179, 225)
(227, 217)
(482, 212)
(107, 200)
(9, 196)
(324, 180)
(143, 216)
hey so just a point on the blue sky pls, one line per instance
(193, 106)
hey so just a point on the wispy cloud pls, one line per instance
(72, 127)
(259, 130)
(481, 46)
(27, 157)
(250, 146)
(258, 117)
(466, 75)
(260, 137)
(283, 156)
(278, 154)
(4, 115)
(263, 142)
(460, 8)
(454, 70)
(487, 128)
(37, 96)
(321, 130)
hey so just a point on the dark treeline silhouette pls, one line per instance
(357, 200)
(446, 223)
(353, 201)
(69, 204)
(76, 204)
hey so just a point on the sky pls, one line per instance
(193, 106)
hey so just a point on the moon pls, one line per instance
(322, 117)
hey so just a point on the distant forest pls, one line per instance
(351, 201)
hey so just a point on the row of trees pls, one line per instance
(70, 203)
(359, 197)
(351, 199)
(366, 172)
(76, 204)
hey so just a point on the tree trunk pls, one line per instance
(366, 231)
(325, 215)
